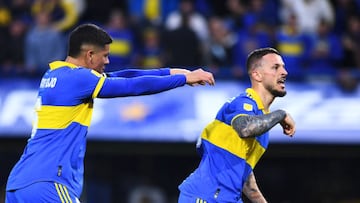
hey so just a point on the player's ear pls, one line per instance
(89, 55)
(256, 75)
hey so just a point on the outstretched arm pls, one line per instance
(130, 73)
(252, 191)
(133, 72)
(252, 126)
(174, 71)
(144, 85)
(207, 77)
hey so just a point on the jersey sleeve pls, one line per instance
(89, 83)
(143, 85)
(129, 73)
(243, 107)
(239, 106)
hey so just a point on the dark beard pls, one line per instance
(277, 93)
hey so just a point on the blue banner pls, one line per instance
(323, 113)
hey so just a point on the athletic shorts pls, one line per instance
(41, 192)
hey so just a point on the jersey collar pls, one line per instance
(252, 94)
(58, 64)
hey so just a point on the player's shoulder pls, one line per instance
(243, 97)
(76, 76)
(244, 102)
(82, 73)
(65, 68)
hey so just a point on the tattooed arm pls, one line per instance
(252, 191)
(252, 126)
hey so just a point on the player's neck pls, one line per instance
(75, 61)
(266, 97)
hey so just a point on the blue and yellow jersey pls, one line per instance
(56, 149)
(227, 160)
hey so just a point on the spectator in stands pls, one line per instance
(326, 52)
(64, 13)
(294, 46)
(235, 14)
(150, 12)
(263, 12)
(5, 15)
(5, 19)
(308, 13)
(182, 45)
(343, 10)
(349, 75)
(123, 47)
(20, 9)
(197, 22)
(151, 53)
(43, 44)
(351, 42)
(222, 42)
(13, 64)
(253, 36)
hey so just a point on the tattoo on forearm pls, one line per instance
(252, 126)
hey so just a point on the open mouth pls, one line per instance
(282, 81)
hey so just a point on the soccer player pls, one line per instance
(51, 166)
(232, 144)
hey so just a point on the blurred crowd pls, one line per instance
(318, 39)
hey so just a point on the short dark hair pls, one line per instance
(87, 34)
(257, 54)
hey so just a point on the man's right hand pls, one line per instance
(199, 77)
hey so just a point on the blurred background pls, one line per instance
(141, 148)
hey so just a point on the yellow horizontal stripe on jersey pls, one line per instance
(59, 117)
(225, 137)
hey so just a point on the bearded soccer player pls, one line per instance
(232, 144)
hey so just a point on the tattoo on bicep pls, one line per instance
(252, 126)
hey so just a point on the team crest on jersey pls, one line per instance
(248, 107)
